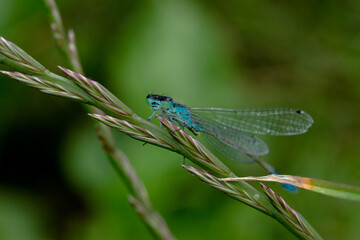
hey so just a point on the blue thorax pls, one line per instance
(173, 111)
(183, 113)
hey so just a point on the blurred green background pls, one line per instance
(55, 182)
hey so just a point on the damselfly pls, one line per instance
(231, 131)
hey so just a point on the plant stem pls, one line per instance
(139, 198)
(122, 118)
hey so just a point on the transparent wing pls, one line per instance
(232, 143)
(227, 150)
(272, 121)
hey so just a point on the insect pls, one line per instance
(231, 131)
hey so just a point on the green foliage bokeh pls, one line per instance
(55, 182)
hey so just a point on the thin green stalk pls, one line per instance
(201, 156)
(122, 118)
(139, 197)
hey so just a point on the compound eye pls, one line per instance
(154, 105)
